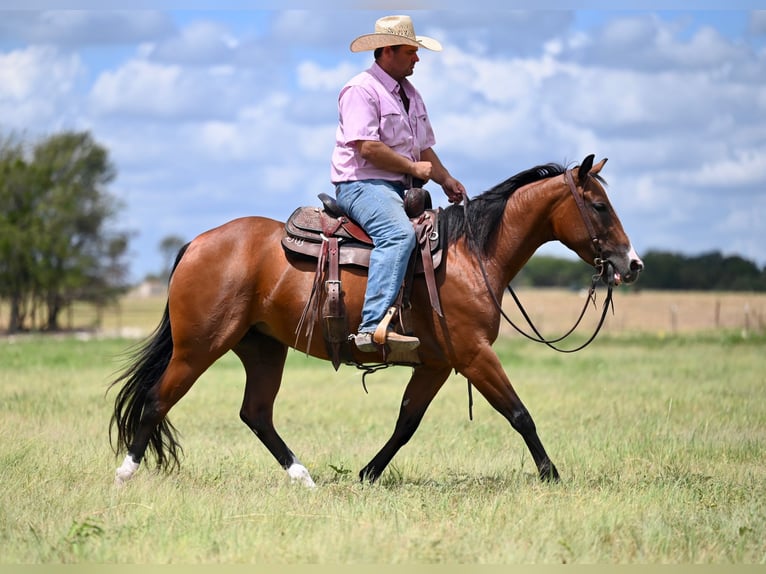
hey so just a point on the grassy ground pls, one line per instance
(659, 439)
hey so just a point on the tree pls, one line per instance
(707, 271)
(17, 209)
(169, 248)
(57, 246)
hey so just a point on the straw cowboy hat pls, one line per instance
(393, 31)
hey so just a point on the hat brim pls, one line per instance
(375, 41)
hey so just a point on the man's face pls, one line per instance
(402, 61)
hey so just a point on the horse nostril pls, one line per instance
(636, 265)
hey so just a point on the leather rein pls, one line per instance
(602, 267)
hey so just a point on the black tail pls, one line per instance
(148, 363)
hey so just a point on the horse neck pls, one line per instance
(527, 224)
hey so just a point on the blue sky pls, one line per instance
(213, 114)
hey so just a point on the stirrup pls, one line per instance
(385, 336)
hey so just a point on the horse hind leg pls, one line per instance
(130, 417)
(264, 361)
(165, 368)
(153, 431)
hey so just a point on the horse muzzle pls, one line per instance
(615, 271)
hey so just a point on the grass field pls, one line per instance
(658, 433)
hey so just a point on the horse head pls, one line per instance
(590, 227)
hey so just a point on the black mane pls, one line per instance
(486, 210)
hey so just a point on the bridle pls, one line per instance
(601, 265)
(603, 270)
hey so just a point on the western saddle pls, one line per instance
(326, 234)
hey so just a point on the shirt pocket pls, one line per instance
(394, 126)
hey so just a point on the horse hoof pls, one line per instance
(300, 474)
(126, 471)
(368, 475)
(548, 473)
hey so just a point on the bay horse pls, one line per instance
(235, 288)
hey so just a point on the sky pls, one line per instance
(210, 114)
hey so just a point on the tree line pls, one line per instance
(663, 270)
(57, 242)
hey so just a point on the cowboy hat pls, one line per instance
(393, 31)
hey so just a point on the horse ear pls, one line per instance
(597, 168)
(585, 166)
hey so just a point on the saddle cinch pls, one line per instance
(329, 236)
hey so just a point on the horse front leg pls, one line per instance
(420, 391)
(486, 373)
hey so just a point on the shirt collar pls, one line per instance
(382, 76)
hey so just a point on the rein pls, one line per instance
(602, 270)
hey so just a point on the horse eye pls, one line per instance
(599, 206)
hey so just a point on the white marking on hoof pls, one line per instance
(298, 473)
(126, 471)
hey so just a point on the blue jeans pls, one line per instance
(377, 206)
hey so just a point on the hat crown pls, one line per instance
(396, 25)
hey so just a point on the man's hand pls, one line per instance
(453, 189)
(422, 170)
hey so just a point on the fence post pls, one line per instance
(673, 318)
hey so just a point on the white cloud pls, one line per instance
(757, 22)
(144, 88)
(199, 43)
(648, 42)
(746, 167)
(83, 27)
(36, 86)
(149, 89)
(311, 76)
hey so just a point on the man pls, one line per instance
(384, 141)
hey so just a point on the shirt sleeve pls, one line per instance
(359, 112)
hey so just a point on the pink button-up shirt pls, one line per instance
(370, 108)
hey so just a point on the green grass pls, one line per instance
(659, 442)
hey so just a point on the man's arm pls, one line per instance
(383, 157)
(429, 166)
